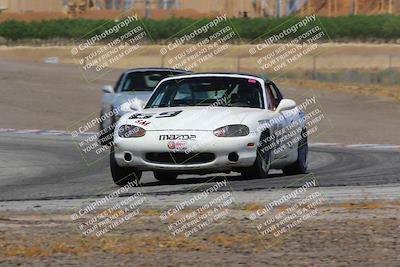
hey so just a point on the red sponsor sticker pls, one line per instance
(171, 145)
(177, 145)
(142, 122)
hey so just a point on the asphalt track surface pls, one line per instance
(51, 168)
(40, 168)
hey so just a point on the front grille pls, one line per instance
(179, 157)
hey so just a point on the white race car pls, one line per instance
(210, 123)
(133, 88)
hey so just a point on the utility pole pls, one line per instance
(329, 8)
(279, 8)
(354, 7)
(147, 9)
(336, 8)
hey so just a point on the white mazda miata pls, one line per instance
(210, 123)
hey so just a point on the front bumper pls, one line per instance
(138, 150)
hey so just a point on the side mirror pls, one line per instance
(108, 89)
(137, 106)
(132, 105)
(285, 104)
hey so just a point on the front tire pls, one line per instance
(123, 175)
(301, 164)
(262, 164)
(106, 131)
(165, 177)
(105, 139)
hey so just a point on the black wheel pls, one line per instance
(165, 177)
(105, 139)
(301, 164)
(105, 135)
(262, 164)
(123, 175)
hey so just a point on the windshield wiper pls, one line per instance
(224, 105)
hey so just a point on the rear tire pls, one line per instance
(165, 177)
(123, 175)
(262, 164)
(301, 164)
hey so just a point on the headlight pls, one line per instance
(128, 131)
(232, 130)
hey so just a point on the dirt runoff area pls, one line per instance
(343, 235)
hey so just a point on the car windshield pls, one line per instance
(144, 80)
(206, 91)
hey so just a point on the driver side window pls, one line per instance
(274, 94)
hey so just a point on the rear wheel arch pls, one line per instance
(300, 166)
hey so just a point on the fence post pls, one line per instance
(390, 62)
(314, 67)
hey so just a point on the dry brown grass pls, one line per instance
(390, 91)
(330, 57)
(146, 236)
(361, 206)
(46, 246)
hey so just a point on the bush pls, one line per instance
(348, 27)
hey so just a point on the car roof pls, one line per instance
(228, 74)
(218, 74)
(237, 73)
(156, 69)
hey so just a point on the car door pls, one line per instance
(284, 132)
(276, 122)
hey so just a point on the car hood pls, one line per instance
(187, 118)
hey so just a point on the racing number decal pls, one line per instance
(168, 114)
